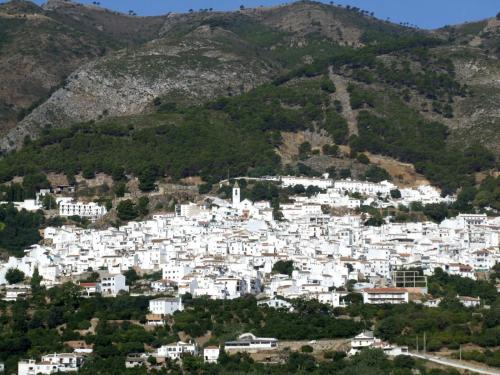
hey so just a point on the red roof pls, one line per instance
(88, 285)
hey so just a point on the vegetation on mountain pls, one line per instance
(60, 314)
(395, 76)
(18, 229)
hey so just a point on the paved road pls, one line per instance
(457, 364)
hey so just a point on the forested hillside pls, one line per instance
(212, 94)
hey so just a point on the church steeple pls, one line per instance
(236, 194)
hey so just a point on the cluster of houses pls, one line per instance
(353, 194)
(227, 249)
(224, 250)
(51, 364)
(245, 343)
(66, 205)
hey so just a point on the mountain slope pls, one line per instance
(203, 64)
(197, 56)
(256, 76)
(40, 47)
(474, 49)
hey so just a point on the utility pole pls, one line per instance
(460, 351)
(417, 343)
(424, 343)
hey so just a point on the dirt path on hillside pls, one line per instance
(342, 95)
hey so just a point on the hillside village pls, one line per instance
(301, 188)
(225, 250)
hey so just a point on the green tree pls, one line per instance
(49, 202)
(363, 159)
(306, 349)
(131, 276)
(88, 172)
(284, 267)
(120, 189)
(14, 276)
(304, 150)
(395, 193)
(377, 174)
(35, 282)
(127, 210)
(118, 173)
(436, 211)
(332, 150)
(34, 182)
(142, 206)
(147, 178)
(345, 173)
(204, 188)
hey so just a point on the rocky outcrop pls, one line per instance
(201, 66)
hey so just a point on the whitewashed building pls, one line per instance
(248, 342)
(91, 210)
(211, 354)
(175, 351)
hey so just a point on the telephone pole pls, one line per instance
(424, 343)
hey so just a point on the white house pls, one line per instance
(175, 272)
(362, 341)
(112, 284)
(134, 360)
(51, 364)
(165, 306)
(364, 187)
(433, 302)
(90, 289)
(211, 354)
(377, 296)
(175, 351)
(236, 196)
(459, 269)
(469, 301)
(27, 204)
(276, 303)
(322, 183)
(250, 342)
(472, 219)
(366, 340)
(69, 207)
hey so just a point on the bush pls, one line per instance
(304, 150)
(127, 210)
(284, 267)
(331, 150)
(404, 361)
(395, 193)
(306, 349)
(363, 159)
(14, 276)
(205, 188)
(377, 174)
(345, 173)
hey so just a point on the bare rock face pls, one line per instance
(200, 67)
